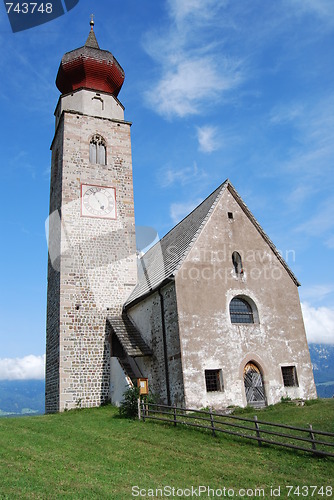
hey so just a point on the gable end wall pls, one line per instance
(206, 283)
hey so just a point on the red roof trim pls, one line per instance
(103, 75)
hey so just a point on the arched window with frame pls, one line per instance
(241, 311)
(97, 150)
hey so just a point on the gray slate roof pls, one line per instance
(91, 41)
(165, 257)
(129, 336)
(163, 260)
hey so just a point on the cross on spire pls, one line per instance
(92, 21)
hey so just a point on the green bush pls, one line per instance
(129, 405)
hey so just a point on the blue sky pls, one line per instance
(216, 89)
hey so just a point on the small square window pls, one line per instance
(289, 374)
(214, 380)
(230, 215)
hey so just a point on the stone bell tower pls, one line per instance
(92, 250)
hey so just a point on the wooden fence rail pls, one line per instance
(258, 430)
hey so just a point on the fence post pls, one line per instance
(257, 431)
(143, 413)
(139, 412)
(174, 408)
(313, 438)
(212, 423)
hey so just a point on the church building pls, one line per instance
(210, 315)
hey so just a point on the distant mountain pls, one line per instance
(21, 397)
(322, 357)
(26, 397)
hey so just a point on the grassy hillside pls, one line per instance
(94, 454)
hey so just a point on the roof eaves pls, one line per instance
(136, 300)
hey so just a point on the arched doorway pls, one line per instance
(254, 387)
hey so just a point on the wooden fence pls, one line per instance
(319, 442)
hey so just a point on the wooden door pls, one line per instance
(254, 387)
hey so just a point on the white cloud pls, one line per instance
(312, 149)
(283, 114)
(317, 292)
(299, 194)
(330, 242)
(319, 324)
(29, 367)
(169, 176)
(208, 139)
(180, 9)
(191, 51)
(324, 9)
(322, 222)
(194, 73)
(179, 210)
(185, 89)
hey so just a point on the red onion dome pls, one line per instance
(91, 68)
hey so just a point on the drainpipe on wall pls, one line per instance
(164, 338)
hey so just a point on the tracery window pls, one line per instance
(97, 150)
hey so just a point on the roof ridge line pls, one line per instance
(179, 238)
(188, 215)
(262, 232)
(220, 189)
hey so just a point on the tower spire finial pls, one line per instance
(91, 40)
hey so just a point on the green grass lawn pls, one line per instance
(94, 454)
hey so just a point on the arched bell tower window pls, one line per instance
(243, 310)
(237, 263)
(98, 150)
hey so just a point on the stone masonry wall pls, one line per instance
(53, 297)
(97, 259)
(147, 317)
